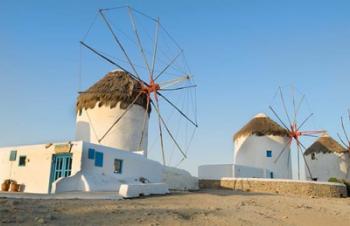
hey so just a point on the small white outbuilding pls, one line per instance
(327, 158)
(256, 147)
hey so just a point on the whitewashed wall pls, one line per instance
(249, 172)
(35, 175)
(94, 178)
(219, 171)
(328, 165)
(215, 172)
(251, 151)
(92, 124)
(85, 176)
(179, 179)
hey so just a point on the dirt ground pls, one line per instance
(207, 207)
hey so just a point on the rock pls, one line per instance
(303, 206)
(8, 221)
(20, 219)
(13, 202)
(50, 217)
(39, 220)
(4, 211)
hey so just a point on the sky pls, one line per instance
(240, 52)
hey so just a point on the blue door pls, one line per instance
(61, 167)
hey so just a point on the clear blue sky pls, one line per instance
(239, 51)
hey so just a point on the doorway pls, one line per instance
(61, 167)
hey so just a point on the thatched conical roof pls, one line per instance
(261, 125)
(115, 87)
(325, 144)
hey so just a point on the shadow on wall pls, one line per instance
(86, 182)
(83, 131)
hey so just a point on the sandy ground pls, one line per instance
(208, 207)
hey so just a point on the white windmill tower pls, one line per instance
(110, 99)
(327, 158)
(116, 111)
(258, 143)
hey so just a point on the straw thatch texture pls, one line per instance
(261, 126)
(325, 144)
(115, 87)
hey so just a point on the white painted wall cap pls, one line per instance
(325, 134)
(115, 70)
(260, 115)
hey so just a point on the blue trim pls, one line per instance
(269, 153)
(13, 155)
(91, 153)
(98, 159)
(61, 166)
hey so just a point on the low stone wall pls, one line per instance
(304, 188)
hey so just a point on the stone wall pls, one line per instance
(304, 188)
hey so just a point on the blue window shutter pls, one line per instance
(91, 153)
(98, 159)
(269, 153)
(13, 155)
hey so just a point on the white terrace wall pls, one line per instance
(126, 135)
(95, 178)
(216, 172)
(179, 179)
(250, 151)
(35, 175)
(327, 165)
(250, 172)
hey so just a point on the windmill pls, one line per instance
(347, 143)
(156, 63)
(293, 127)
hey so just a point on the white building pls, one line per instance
(327, 158)
(116, 163)
(256, 148)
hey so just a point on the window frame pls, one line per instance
(268, 153)
(23, 163)
(121, 161)
(13, 155)
(313, 156)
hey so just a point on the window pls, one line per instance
(22, 161)
(118, 166)
(269, 153)
(91, 153)
(98, 159)
(13, 155)
(313, 156)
